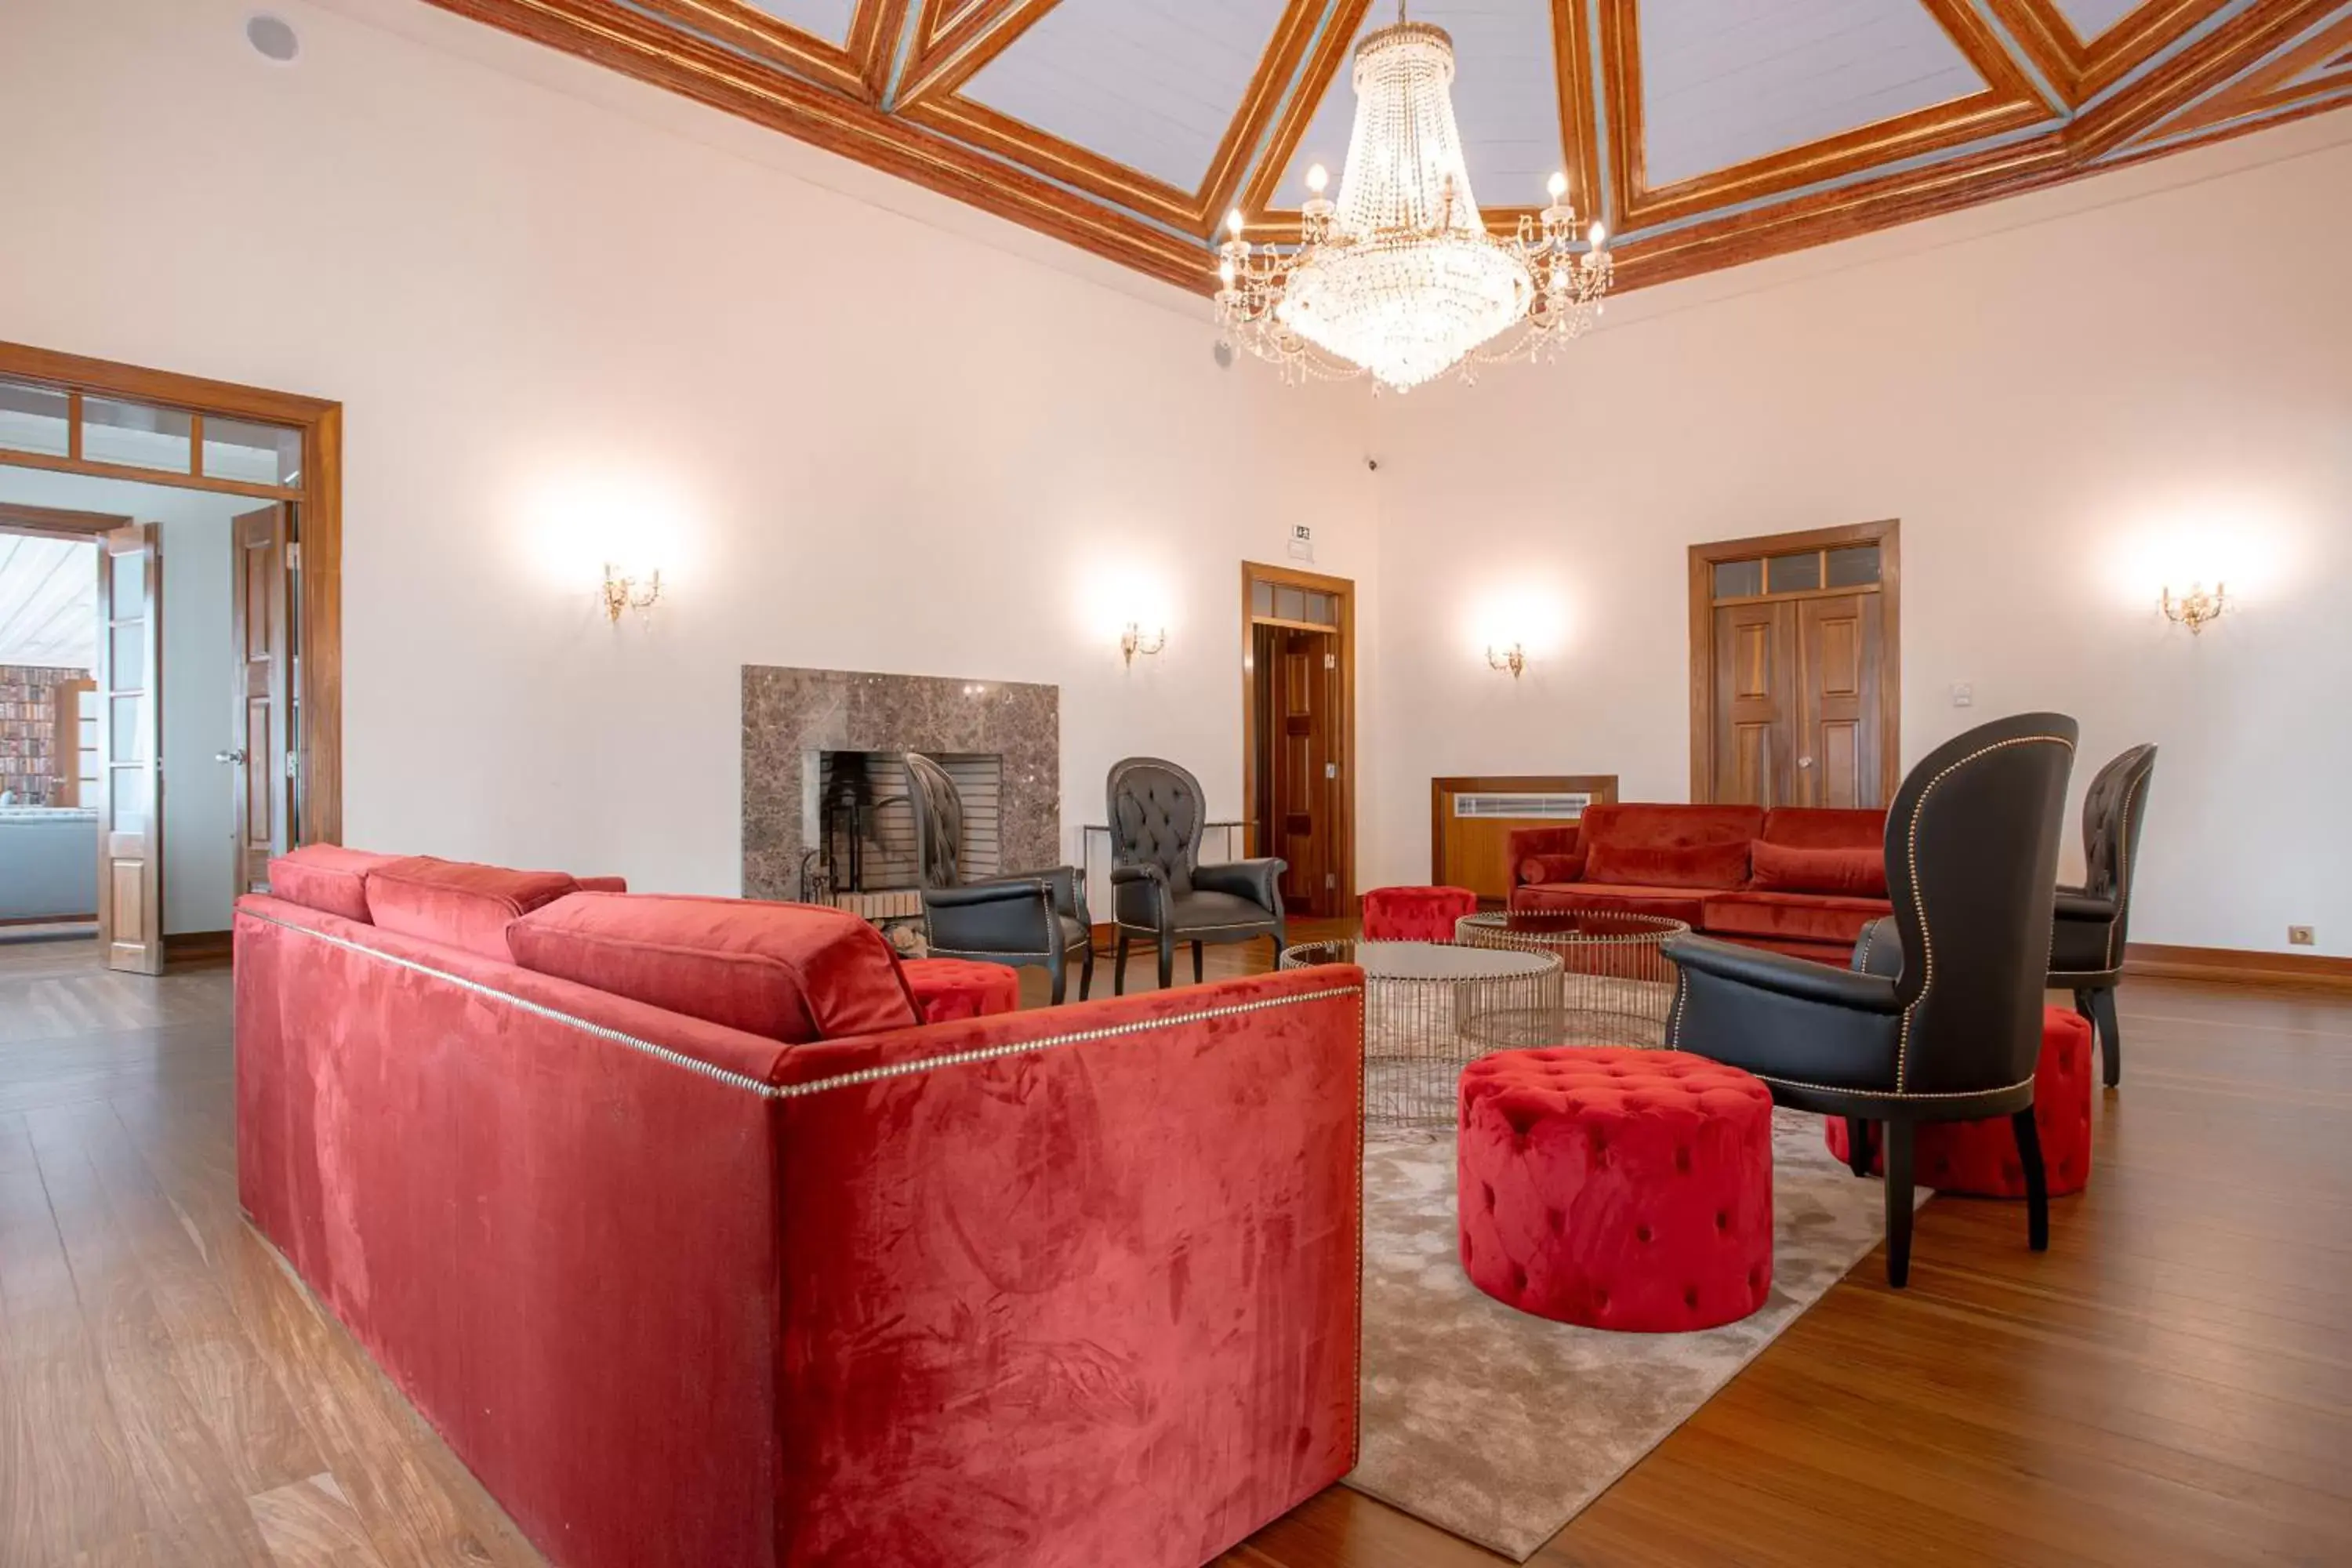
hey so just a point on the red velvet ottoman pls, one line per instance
(1979, 1159)
(1415, 914)
(947, 989)
(1617, 1189)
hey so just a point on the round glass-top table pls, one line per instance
(1433, 1008)
(1617, 985)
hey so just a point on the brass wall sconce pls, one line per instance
(623, 592)
(1132, 642)
(1514, 660)
(2197, 606)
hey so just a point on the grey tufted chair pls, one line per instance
(2086, 944)
(1034, 918)
(1160, 890)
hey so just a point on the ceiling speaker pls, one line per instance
(273, 38)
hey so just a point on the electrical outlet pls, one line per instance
(2300, 936)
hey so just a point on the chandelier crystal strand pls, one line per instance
(1400, 278)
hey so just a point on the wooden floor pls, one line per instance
(2170, 1383)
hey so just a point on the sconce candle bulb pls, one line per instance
(1514, 659)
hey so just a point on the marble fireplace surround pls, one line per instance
(790, 715)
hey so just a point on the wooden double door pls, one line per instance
(1794, 656)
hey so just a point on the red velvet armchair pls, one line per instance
(698, 1248)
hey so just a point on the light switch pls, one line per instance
(1964, 695)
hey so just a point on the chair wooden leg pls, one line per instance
(1196, 963)
(1060, 971)
(1087, 969)
(1857, 1145)
(2037, 1185)
(1897, 1137)
(1119, 966)
(1167, 962)
(2111, 1040)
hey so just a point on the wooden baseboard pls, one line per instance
(196, 946)
(88, 919)
(2238, 966)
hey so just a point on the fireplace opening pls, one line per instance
(862, 837)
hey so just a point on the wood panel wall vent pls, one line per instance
(1548, 808)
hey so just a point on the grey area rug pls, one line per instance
(1501, 1427)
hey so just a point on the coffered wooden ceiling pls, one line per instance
(1705, 131)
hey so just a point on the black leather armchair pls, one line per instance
(1159, 888)
(2087, 941)
(1939, 1018)
(1034, 918)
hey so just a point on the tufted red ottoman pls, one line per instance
(1618, 1189)
(947, 989)
(1415, 914)
(1979, 1159)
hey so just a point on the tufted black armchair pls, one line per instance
(1034, 918)
(2087, 943)
(1161, 891)
(1939, 1018)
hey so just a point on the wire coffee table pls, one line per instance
(1433, 1008)
(1617, 987)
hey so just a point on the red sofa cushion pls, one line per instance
(1415, 914)
(1552, 868)
(326, 876)
(1668, 845)
(1790, 917)
(1824, 827)
(792, 973)
(457, 902)
(1858, 873)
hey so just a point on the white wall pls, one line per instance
(569, 317)
(2067, 400)
(199, 670)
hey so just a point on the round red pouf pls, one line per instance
(1979, 1159)
(1617, 1189)
(947, 989)
(1415, 914)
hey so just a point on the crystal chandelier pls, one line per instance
(1400, 278)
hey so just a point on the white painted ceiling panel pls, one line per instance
(48, 602)
(1505, 101)
(2089, 18)
(1151, 84)
(1724, 81)
(828, 19)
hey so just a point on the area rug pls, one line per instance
(1501, 1427)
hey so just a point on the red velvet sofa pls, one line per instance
(698, 1248)
(1794, 880)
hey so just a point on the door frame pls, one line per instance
(1887, 534)
(318, 497)
(1342, 589)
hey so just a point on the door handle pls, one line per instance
(235, 755)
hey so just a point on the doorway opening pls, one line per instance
(209, 497)
(1796, 669)
(1298, 707)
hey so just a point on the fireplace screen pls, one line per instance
(862, 836)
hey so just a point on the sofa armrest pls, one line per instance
(947, 1280)
(1879, 949)
(1008, 916)
(1561, 844)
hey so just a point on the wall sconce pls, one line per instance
(623, 592)
(1132, 642)
(2197, 606)
(1514, 660)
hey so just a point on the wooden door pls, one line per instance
(1304, 766)
(73, 712)
(130, 737)
(1836, 731)
(1755, 701)
(264, 669)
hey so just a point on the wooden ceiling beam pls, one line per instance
(2243, 41)
(958, 37)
